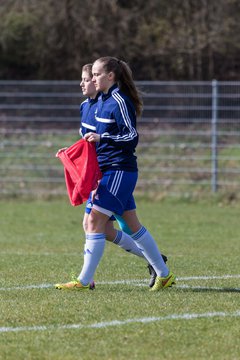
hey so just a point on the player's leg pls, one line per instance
(145, 241)
(122, 239)
(94, 246)
(130, 220)
(93, 249)
(113, 235)
(121, 200)
(123, 224)
(105, 203)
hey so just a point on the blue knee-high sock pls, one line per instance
(93, 252)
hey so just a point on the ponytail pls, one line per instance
(124, 79)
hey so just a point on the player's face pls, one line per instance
(88, 88)
(101, 80)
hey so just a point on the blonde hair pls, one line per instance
(124, 79)
(88, 69)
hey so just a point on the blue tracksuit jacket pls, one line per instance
(116, 123)
(87, 115)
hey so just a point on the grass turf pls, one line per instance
(41, 244)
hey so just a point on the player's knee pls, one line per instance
(96, 222)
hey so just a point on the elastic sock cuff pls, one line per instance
(118, 237)
(136, 236)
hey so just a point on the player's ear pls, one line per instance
(111, 76)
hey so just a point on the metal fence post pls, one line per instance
(214, 135)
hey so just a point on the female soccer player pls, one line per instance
(88, 124)
(116, 139)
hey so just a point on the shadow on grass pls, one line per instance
(207, 289)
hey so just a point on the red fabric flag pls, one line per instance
(81, 170)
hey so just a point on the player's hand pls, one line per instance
(92, 137)
(93, 192)
(60, 150)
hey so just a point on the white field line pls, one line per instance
(139, 282)
(107, 324)
(24, 253)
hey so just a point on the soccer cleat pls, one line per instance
(164, 282)
(153, 273)
(92, 285)
(73, 285)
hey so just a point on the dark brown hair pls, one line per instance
(124, 79)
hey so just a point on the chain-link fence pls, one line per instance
(189, 135)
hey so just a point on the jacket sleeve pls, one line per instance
(125, 135)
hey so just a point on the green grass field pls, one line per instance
(31, 166)
(41, 244)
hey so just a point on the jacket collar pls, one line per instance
(93, 101)
(112, 89)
